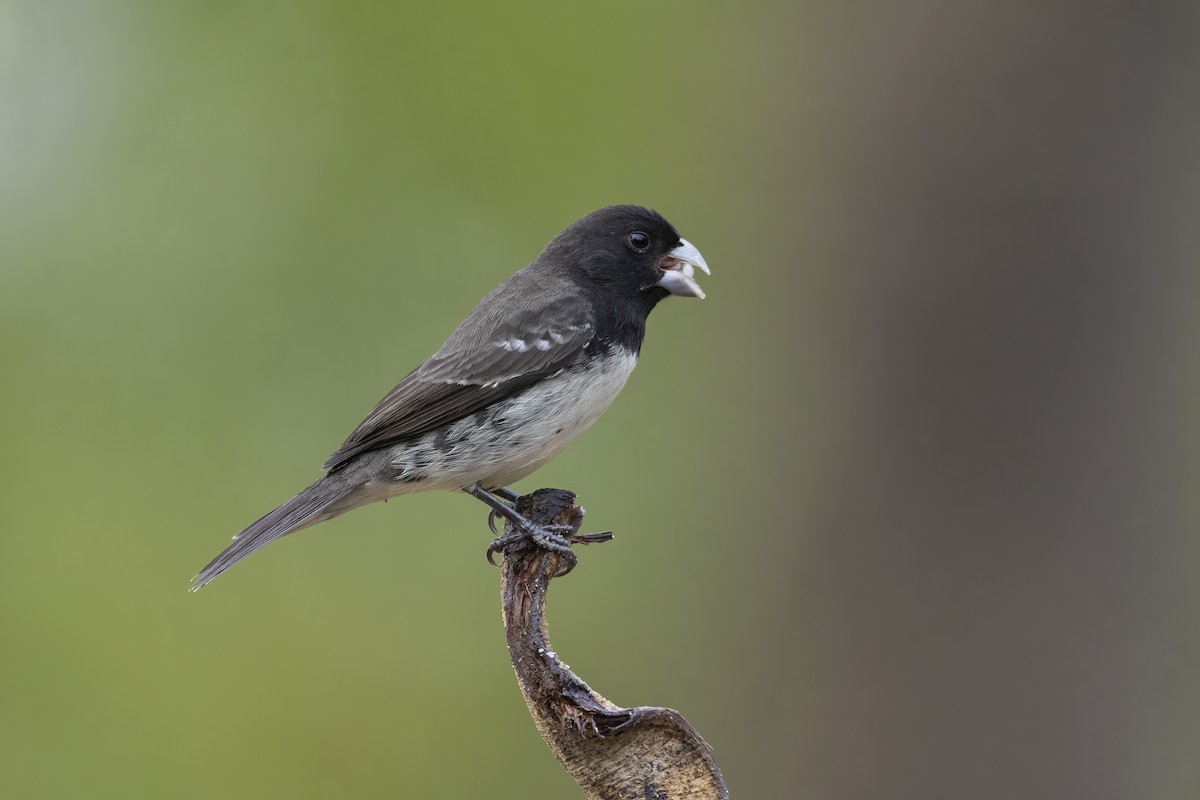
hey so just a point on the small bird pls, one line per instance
(530, 368)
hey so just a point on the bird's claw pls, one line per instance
(592, 538)
(555, 538)
(508, 496)
(522, 534)
(550, 537)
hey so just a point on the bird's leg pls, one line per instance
(509, 496)
(550, 537)
(505, 493)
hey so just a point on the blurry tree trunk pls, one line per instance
(992, 597)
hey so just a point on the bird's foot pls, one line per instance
(555, 538)
(525, 533)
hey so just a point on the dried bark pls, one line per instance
(611, 752)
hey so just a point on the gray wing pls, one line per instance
(493, 354)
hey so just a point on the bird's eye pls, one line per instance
(639, 241)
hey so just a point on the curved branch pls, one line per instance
(611, 752)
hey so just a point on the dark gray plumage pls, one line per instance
(532, 366)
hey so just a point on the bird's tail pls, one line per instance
(317, 503)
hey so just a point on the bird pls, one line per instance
(532, 366)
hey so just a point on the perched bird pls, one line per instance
(530, 368)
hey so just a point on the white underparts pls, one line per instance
(512, 438)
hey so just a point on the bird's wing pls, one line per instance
(493, 354)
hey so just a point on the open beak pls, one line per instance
(679, 268)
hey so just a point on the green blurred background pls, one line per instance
(904, 508)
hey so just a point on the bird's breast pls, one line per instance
(556, 410)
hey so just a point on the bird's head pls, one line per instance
(630, 251)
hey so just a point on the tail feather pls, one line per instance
(317, 503)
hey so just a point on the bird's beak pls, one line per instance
(678, 268)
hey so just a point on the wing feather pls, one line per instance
(493, 354)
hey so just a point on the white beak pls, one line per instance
(679, 268)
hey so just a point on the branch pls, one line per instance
(611, 752)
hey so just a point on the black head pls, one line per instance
(628, 253)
